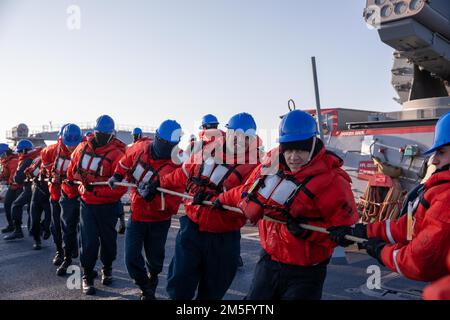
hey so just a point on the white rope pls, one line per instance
(232, 209)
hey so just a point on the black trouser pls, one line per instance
(56, 225)
(204, 261)
(10, 197)
(274, 280)
(17, 207)
(150, 236)
(98, 231)
(40, 202)
(70, 217)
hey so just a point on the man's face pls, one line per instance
(296, 159)
(210, 126)
(442, 157)
(102, 138)
(211, 134)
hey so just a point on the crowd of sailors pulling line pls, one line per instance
(297, 194)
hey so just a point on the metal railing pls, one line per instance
(35, 130)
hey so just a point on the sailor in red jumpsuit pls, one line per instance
(424, 257)
(209, 131)
(66, 197)
(27, 153)
(40, 201)
(150, 221)
(48, 157)
(439, 290)
(208, 244)
(8, 163)
(298, 182)
(94, 161)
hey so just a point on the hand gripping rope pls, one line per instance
(232, 209)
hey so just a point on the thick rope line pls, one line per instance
(228, 208)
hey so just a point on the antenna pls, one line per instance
(316, 89)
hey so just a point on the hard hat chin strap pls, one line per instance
(110, 137)
(312, 149)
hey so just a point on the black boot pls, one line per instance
(107, 276)
(37, 244)
(8, 229)
(88, 283)
(153, 281)
(148, 296)
(58, 259)
(75, 253)
(147, 292)
(17, 234)
(62, 269)
(46, 233)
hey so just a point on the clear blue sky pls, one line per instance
(143, 61)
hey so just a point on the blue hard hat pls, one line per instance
(24, 144)
(62, 129)
(297, 125)
(169, 130)
(442, 134)
(137, 131)
(209, 119)
(3, 148)
(242, 122)
(105, 124)
(72, 135)
(88, 133)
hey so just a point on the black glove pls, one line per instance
(70, 183)
(55, 180)
(112, 181)
(199, 198)
(293, 225)
(360, 231)
(42, 177)
(374, 246)
(148, 190)
(337, 234)
(89, 187)
(217, 205)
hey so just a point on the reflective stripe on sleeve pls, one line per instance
(123, 166)
(388, 232)
(394, 255)
(184, 169)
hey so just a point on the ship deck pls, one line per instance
(28, 274)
